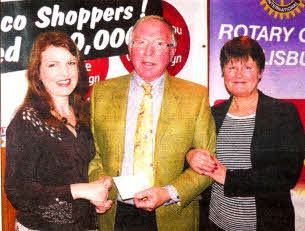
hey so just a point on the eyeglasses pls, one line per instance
(158, 45)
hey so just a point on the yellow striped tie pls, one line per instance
(143, 145)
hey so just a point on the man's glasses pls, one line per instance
(158, 45)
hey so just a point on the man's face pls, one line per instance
(149, 53)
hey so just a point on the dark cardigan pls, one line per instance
(41, 163)
(277, 154)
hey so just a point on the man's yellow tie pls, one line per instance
(143, 145)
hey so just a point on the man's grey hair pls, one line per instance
(158, 18)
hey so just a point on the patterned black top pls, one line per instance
(41, 163)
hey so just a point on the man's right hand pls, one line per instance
(102, 207)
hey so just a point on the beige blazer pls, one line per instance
(184, 123)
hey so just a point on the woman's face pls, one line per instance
(241, 77)
(58, 71)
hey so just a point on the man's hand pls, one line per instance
(151, 198)
(102, 207)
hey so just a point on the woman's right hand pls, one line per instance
(201, 161)
(93, 191)
(107, 181)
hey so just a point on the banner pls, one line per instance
(100, 28)
(279, 28)
(281, 35)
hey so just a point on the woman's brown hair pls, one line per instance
(37, 96)
(242, 47)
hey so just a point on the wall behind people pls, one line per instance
(279, 28)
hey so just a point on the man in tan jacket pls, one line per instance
(181, 121)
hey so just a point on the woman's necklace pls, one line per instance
(65, 121)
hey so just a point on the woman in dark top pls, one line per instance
(49, 144)
(259, 148)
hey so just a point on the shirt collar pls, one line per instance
(155, 84)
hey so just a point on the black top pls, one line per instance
(277, 154)
(41, 163)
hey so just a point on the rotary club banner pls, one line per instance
(279, 28)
